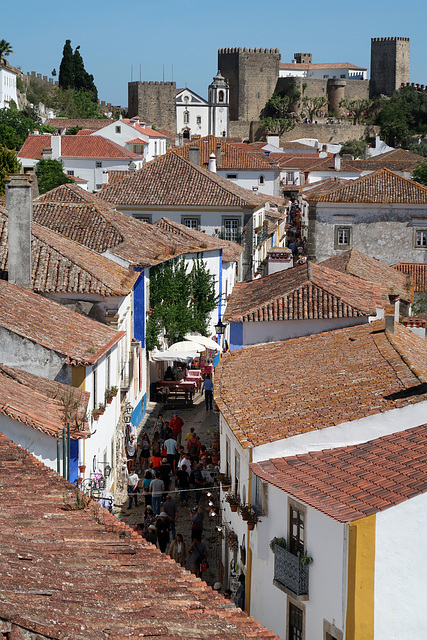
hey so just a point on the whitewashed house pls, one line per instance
(85, 157)
(7, 87)
(197, 117)
(323, 397)
(136, 136)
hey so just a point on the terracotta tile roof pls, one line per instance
(95, 224)
(307, 291)
(61, 265)
(419, 321)
(36, 402)
(399, 160)
(417, 273)
(171, 180)
(383, 186)
(397, 155)
(321, 380)
(77, 147)
(86, 123)
(230, 250)
(116, 176)
(323, 186)
(82, 574)
(294, 160)
(145, 129)
(328, 164)
(362, 266)
(232, 155)
(84, 132)
(321, 65)
(31, 316)
(348, 483)
(136, 141)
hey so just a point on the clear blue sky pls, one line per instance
(187, 34)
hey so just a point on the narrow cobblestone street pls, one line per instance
(206, 425)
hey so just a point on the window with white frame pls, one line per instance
(98, 164)
(342, 237)
(295, 622)
(227, 457)
(296, 538)
(191, 223)
(421, 238)
(70, 172)
(236, 473)
(94, 388)
(98, 187)
(231, 229)
(186, 116)
(107, 371)
(143, 217)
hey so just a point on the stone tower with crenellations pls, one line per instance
(390, 61)
(153, 102)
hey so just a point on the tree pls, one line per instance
(420, 173)
(313, 105)
(355, 148)
(402, 116)
(180, 301)
(66, 68)
(358, 109)
(50, 174)
(82, 80)
(275, 116)
(15, 126)
(9, 163)
(5, 50)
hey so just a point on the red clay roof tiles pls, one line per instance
(82, 574)
(36, 402)
(417, 273)
(232, 156)
(362, 266)
(77, 147)
(321, 380)
(303, 292)
(171, 180)
(31, 316)
(348, 483)
(383, 186)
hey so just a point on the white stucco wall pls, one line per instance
(248, 179)
(325, 542)
(7, 88)
(121, 133)
(42, 446)
(400, 571)
(261, 332)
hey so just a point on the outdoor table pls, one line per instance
(187, 387)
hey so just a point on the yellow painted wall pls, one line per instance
(361, 580)
(78, 375)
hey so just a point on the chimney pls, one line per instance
(55, 143)
(273, 139)
(19, 203)
(366, 152)
(194, 154)
(218, 154)
(337, 162)
(47, 153)
(212, 163)
(389, 322)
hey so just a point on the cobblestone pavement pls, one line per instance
(206, 425)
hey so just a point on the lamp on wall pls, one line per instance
(220, 328)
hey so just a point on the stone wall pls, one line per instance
(252, 76)
(390, 62)
(253, 131)
(154, 102)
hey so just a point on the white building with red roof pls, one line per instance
(85, 157)
(136, 136)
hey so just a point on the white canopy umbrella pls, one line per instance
(168, 356)
(207, 342)
(187, 346)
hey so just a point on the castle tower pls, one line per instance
(219, 115)
(389, 65)
(252, 77)
(153, 102)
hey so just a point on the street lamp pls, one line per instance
(220, 328)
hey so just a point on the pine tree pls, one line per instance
(66, 69)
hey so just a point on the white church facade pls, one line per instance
(197, 117)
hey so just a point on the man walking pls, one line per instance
(176, 423)
(156, 489)
(133, 489)
(207, 387)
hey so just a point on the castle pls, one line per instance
(253, 75)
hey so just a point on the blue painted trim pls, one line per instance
(139, 308)
(74, 460)
(220, 286)
(236, 335)
(139, 411)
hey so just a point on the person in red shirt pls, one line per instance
(193, 448)
(176, 423)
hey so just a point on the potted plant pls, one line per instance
(95, 413)
(252, 519)
(305, 559)
(280, 542)
(233, 501)
(101, 408)
(226, 483)
(245, 511)
(82, 468)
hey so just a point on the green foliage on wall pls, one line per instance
(180, 300)
(50, 174)
(403, 115)
(420, 173)
(9, 163)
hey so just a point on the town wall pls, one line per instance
(153, 102)
(390, 63)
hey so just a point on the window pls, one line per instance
(342, 237)
(186, 116)
(261, 495)
(70, 172)
(295, 622)
(421, 238)
(342, 75)
(296, 528)
(199, 120)
(118, 129)
(231, 229)
(107, 371)
(191, 223)
(236, 473)
(261, 179)
(143, 217)
(326, 76)
(98, 164)
(227, 458)
(98, 187)
(232, 176)
(221, 96)
(94, 388)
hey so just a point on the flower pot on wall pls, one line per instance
(233, 507)
(251, 526)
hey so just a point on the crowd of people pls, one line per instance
(167, 470)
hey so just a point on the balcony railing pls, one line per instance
(289, 571)
(229, 235)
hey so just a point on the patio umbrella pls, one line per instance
(207, 342)
(168, 356)
(187, 346)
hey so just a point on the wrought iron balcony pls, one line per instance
(289, 571)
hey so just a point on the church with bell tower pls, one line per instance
(198, 117)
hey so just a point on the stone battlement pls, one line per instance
(246, 50)
(394, 39)
(152, 83)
